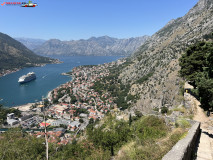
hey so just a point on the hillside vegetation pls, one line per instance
(197, 68)
(138, 138)
(14, 55)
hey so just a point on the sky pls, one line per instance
(82, 19)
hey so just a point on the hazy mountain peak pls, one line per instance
(100, 46)
(30, 43)
(54, 40)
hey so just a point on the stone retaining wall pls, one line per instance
(184, 149)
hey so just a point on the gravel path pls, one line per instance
(205, 144)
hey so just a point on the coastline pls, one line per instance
(24, 107)
(9, 72)
(65, 74)
(48, 94)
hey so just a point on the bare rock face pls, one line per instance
(160, 55)
(98, 46)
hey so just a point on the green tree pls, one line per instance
(130, 120)
(196, 59)
(164, 110)
(81, 120)
(73, 99)
(205, 91)
(91, 121)
(15, 144)
(138, 114)
(111, 134)
(110, 139)
(46, 102)
(197, 68)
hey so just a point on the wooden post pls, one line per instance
(46, 138)
(45, 132)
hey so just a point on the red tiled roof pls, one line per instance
(42, 124)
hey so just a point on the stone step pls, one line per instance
(204, 149)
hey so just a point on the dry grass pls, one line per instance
(150, 150)
(180, 109)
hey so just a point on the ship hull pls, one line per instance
(27, 78)
(25, 81)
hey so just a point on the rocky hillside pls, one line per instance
(14, 55)
(157, 58)
(100, 46)
(31, 43)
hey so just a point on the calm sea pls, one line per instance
(48, 78)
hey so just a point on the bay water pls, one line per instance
(48, 77)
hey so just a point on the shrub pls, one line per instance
(156, 109)
(182, 123)
(145, 78)
(180, 109)
(151, 128)
(138, 114)
(81, 120)
(164, 110)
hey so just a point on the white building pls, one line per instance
(61, 121)
(12, 122)
(11, 119)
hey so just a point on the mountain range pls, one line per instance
(159, 55)
(31, 43)
(94, 46)
(14, 55)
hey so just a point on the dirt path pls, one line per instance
(205, 146)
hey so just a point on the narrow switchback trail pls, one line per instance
(205, 143)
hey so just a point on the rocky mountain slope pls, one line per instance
(31, 43)
(100, 46)
(14, 55)
(158, 58)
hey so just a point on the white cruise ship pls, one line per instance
(27, 78)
